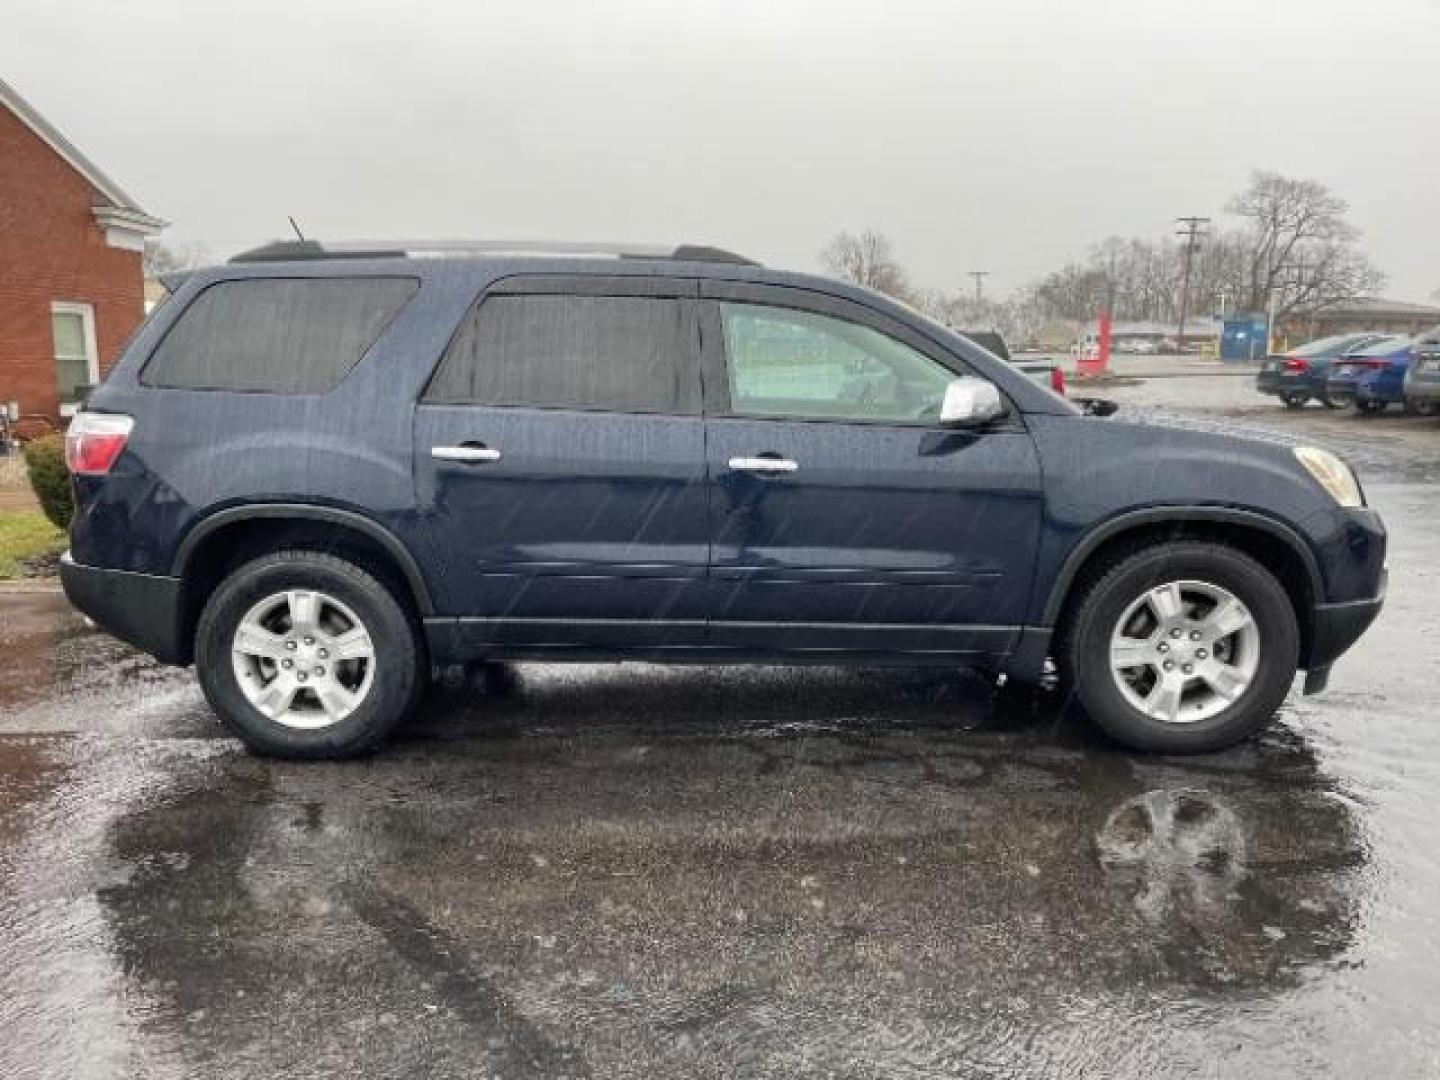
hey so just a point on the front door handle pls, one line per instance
(469, 453)
(763, 464)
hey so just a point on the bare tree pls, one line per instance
(867, 259)
(161, 258)
(1301, 247)
(1294, 241)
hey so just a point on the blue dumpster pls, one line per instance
(1244, 337)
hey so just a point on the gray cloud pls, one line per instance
(1002, 136)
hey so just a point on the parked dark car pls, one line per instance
(319, 475)
(1300, 374)
(1422, 381)
(1371, 377)
(1045, 371)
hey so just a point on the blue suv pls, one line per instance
(320, 474)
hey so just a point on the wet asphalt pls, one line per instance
(634, 871)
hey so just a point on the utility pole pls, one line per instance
(979, 276)
(1193, 229)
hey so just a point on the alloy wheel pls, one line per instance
(1184, 651)
(303, 659)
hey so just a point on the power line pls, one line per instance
(1191, 233)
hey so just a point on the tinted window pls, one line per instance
(785, 362)
(1332, 346)
(284, 335)
(990, 341)
(622, 353)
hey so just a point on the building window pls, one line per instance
(77, 361)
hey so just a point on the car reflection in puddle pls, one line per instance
(796, 863)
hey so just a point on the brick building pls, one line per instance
(71, 285)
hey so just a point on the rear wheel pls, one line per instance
(305, 655)
(1371, 408)
(1294, 401)
(1182, 647)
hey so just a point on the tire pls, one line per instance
(1421, 408)
(1371, 408)
(365, 697)
(1271, 641)
(1294, 401)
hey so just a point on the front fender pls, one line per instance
(1095, 538)
(1104, 476)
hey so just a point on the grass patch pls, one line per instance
(25, 534)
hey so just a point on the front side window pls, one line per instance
(76, 364)
(789, 363)
(281, 335)
(615, 353)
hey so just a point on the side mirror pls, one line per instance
(971, 402)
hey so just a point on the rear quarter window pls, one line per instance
(276, 335)
(609, 353)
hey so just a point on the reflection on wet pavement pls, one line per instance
(641, 872)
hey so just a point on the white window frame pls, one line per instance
(92, 351)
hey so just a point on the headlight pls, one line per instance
(1333, 474)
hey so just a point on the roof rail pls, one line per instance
(306, 250)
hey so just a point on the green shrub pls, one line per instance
(45, 460)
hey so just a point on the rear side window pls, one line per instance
(616, 353)
(282, 335)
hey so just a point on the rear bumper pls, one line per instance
(1281, 384)
(143, 610)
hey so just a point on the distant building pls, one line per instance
(1127, 336)
(1388, 316)
(70, 251)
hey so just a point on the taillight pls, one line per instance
(94, 440)
(1057, 380)
(1297, 365)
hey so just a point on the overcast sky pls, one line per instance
(1002, 136)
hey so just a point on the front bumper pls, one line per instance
(1336, 627)
(1342, 387)
(144, 610)
(1426, 389)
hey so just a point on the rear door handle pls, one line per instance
(469, 453)
(763, 464)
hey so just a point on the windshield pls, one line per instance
(1330, 346)
(1383, 347)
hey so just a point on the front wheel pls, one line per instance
(1182, 647)
(305, 655)
(1294, 401)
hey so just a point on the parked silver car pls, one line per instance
(1422, 381)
